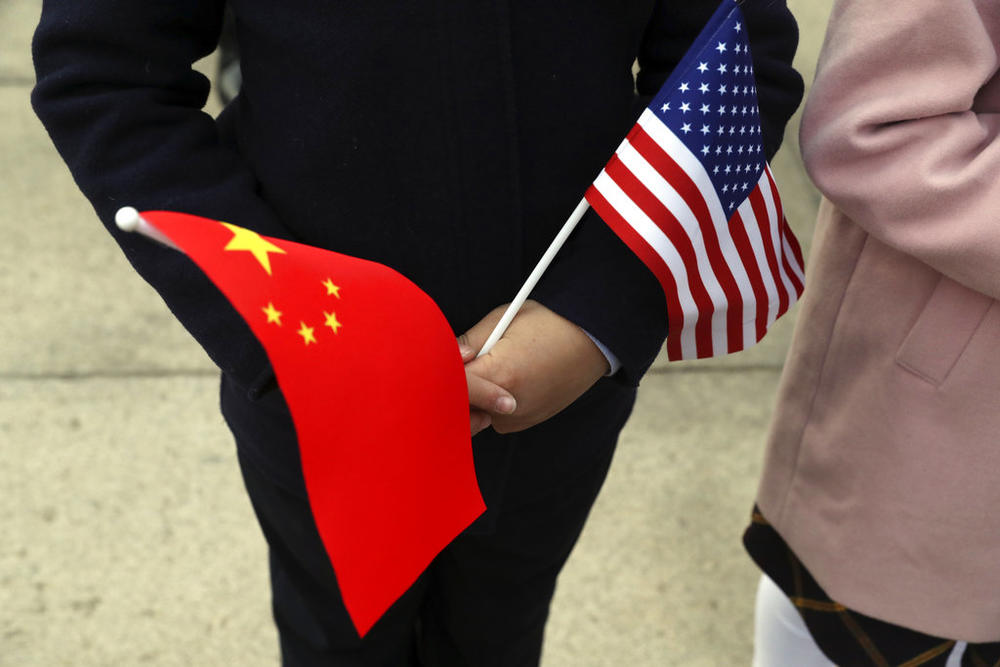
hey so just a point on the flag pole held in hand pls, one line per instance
(536, 275)
(690, 192)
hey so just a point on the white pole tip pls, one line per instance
(127, 219)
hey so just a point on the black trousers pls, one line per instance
(485, 600)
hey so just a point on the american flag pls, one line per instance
(690, 191)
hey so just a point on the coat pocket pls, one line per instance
(942, 331)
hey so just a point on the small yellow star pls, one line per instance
(331, 288)
(306, 333)
(254, 243)
(273, 314)
(331, 321)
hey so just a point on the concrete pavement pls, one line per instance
(127, 538)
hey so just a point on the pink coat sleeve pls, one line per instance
(902, 129)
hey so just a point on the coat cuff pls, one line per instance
(600, 285)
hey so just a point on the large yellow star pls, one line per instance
(331, 288)
(273, 314)
(331, 321)
(252, 242)
(306, 333)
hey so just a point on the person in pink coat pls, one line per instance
(878, 513)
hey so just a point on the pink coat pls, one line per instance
(883, 466)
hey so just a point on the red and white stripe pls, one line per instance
(726, 278)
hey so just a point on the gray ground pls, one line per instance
(126, 535)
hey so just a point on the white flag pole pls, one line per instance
(535, 276)
(129, 220)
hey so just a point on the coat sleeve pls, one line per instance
(901, 131)
(596, 281)
(116, 91)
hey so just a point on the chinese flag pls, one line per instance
(375, 383)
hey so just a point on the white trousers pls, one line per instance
(781, 638)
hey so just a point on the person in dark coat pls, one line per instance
(448, 140)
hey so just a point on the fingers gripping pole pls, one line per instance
(129, 220)
(535, 276)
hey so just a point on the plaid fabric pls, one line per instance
(848, 638)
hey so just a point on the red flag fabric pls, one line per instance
(376, 387)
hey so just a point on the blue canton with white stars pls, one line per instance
(711, 107)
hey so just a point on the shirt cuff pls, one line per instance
(613, 362)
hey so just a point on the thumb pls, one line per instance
(473, 340)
